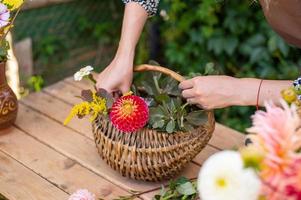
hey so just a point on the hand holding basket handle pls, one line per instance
(145, 67)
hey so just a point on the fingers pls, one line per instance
(189, 93)
(198, 103)
(124, 89)
(192, 100)
(187, 84)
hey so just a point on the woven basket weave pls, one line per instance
(147, 154)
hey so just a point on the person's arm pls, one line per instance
(212, 92)
(270, 90)
(118, 75)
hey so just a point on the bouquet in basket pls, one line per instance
(154, 102)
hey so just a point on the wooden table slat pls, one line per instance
(205, 153)
(226, 138)
(65, 92)
(64, 172)
(58, 110)
(17, 182)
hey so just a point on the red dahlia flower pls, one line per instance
(129, 113)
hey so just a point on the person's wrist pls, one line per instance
(126, 49)
(246, 95)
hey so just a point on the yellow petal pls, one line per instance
(13, 4)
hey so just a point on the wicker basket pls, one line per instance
(147, 154)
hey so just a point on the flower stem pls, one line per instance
(184, 106)
(91, 78)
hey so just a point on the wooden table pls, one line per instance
(42, 159)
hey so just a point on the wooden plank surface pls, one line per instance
(19, 183)
(58, 111)
(63, 172)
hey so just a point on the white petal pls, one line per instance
(78, 76)
(228, 165)
(89, 68)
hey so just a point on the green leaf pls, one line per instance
(170, 86)
(158, 124)
(182, 180)
(197, 118)
(186, 189)
(216, 44)
(170, 127)
(155, 114)
(209, 69)
(284, 49)
(172, 184)
(230, 45)
(148, 88)
(162, 97)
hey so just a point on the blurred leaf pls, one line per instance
(159, 124)
(107, 96)
(87, 95)
(186, 189)
(170, 127)
(197, 118)
(162, 97)
(230, 45)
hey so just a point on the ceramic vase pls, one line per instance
(8, 101)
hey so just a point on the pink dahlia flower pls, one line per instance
(82, 194)
(4, 15)
(278, 135)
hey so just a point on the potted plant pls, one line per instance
(8, 101)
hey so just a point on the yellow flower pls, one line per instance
(289, 95)
(98, 105)
(252, 156)
(94, 108)
(13, 4)
(81, 109)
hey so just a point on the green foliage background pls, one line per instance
(231, 34)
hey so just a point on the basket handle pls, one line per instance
(145, 67)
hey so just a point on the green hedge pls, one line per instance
(231, 34)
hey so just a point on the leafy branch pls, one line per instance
(180, 189)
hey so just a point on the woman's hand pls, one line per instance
(211, 92)
(117, 76)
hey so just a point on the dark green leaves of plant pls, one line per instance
(168, 111)
(170, 127)
(196, 118)
(186, 189)
(180, 189)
